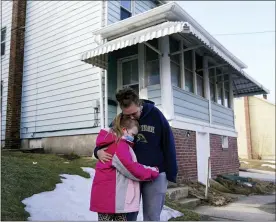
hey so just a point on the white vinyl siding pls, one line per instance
(6, 15)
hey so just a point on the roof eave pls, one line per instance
(170, 12)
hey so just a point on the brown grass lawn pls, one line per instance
(20, 178)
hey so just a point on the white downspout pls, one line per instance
(105, 71)
(101, 99)
(105, 99)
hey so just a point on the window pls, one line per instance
(189, 81)
(3, 40)
(125, 9)
(219, 87)
(199, 83)
(152, 64)
(175, 62)
(130, 74)
(188, 62)
(212, 84)
(199, 75)
(224, 142)
(226, 92)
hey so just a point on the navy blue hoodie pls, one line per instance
(154, 144)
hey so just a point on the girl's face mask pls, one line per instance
(129, 138)
(130, 133)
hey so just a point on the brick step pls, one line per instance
(189, 203)
(177, 193)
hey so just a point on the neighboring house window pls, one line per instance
(125, 9)
(152, 64)
(188, 63)
(175, 62)
(224, 142)
(3, 40)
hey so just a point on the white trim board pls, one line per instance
(201, 127)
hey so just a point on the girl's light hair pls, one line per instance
(121, 122)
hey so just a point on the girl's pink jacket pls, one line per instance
(115, 187)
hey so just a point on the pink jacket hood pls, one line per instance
(106, 137)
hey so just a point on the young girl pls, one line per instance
(115, 189)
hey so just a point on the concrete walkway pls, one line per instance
(246, 208)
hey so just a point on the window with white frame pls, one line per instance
(188, 63)
(125, 9)
(224, 142)
(175, 62)
(152, 64)
(3, 40)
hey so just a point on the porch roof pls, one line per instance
(152, 24)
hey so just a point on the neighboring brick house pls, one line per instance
(60, 90)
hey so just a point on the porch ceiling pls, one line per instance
(243, 84)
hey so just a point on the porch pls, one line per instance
(168, 58)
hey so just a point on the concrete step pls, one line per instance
(189, 203)
(177, 193)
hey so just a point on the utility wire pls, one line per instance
(246, 33)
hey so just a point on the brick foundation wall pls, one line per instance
(223, 160)
(186, 155)
(12, 140)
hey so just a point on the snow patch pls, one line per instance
(270, 161)
(244, 162)
(70, 200)
(269, 165)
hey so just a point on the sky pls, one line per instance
(257, 51)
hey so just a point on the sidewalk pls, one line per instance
(246, 208)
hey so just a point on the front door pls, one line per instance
(128, 73)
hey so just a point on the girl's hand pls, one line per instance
(104, 156)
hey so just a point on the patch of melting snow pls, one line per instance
(269, 165)
(243, 162)
(70, 200)
(270, 161)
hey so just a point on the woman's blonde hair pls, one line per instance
(121, 121)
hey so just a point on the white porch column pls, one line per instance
(207, 85)
(143, 91)
(194, 71)
(231, 95)
(165, 79)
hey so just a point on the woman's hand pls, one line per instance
(103, 156)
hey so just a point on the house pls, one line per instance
(62, 63)
(255, 124)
